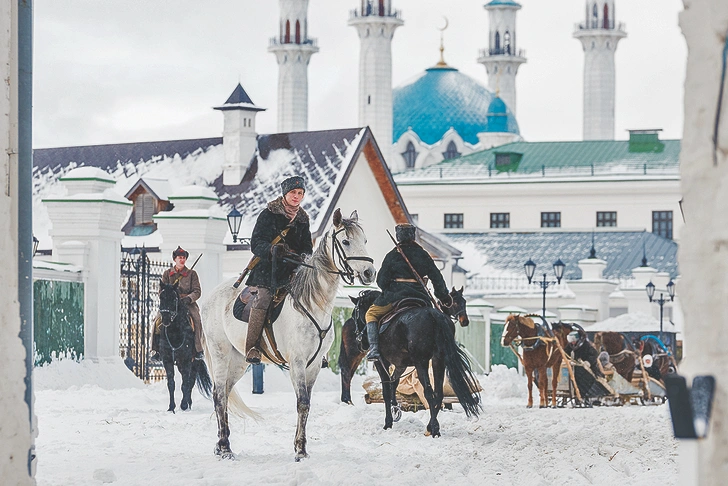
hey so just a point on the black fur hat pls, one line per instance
(292, 183)
(180, 252)
(405, 232)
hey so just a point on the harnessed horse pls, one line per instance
(302, 329)
(177, 346)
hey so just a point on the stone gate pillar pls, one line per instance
(198, 225)
(86, 232)
(703, 253)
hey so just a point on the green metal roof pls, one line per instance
(603, 157)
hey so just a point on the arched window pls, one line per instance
(595, 16)
(143, 209)
(507, 42)
(287, 38)
(605, 22)
(410, 156)
(497, 42)
(451, 152)
(298, 32)
(381, 8)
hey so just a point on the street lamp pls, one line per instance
(35, 245)
(530, 269)
(650, 288)
(234, 218)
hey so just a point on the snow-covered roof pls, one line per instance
(500, 254)
(323, 158)
(634, 322)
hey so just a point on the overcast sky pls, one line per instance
(111, 71)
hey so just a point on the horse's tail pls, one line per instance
(236, 405)
(461, 377)
(202, 378)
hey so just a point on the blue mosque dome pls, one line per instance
(443, 97)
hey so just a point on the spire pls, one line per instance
(441, 62)
(239, 100)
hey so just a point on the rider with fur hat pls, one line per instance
(281, 213)
(188, 285)
(397, 282)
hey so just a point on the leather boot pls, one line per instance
(255, 327)
(155, 348)
(373, 336)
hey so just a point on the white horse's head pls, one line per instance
(350, 251)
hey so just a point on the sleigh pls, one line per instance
(612, 390)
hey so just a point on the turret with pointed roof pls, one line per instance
(239, 135)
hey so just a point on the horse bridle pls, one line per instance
(347, 274)
(172, 313)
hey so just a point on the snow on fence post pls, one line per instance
(198, 225)
(87, 232)
(703, 254)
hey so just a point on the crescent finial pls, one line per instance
(447, 24)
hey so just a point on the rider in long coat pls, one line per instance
(281, 213)
(188, 286)
(397, 282)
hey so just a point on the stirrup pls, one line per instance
(253, 356)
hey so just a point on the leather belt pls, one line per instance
(406, 280)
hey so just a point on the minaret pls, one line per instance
(599, 36)
(293, 49)
(375, 21)
(502, 58)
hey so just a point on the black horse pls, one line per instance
(177, 346)
(414, 338)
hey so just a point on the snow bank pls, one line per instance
(503, 382)
(62, 374)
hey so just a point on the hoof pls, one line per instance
(435, 435)
(225, 454)
(301, 456)
(529, 406)
(427, 433)
(170, 410)
(543, 406)
(387, 426)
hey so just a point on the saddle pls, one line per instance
(267, 343)
(398, 308)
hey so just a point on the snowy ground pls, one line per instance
(116, 430)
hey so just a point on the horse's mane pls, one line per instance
(306, 284)
(525, 320)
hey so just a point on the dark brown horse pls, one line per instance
(621, 352)
(539, 353)
(420, 337)
(354, 341)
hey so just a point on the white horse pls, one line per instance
(301, 330)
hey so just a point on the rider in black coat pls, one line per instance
(397, 282)
(580, 348)
(284, 212)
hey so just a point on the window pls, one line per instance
(662, 223)
(605, 21)
(507, 42)
(381, 8)
(454, 220)
(298, 32)
(551, 220)
(410, 156)
(497, 42)
(451, 152)
(143, 209)
(287, 38)
(500, 220)
(606, 218)
(502, 159)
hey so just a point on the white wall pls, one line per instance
(15, 434)
(525, 199)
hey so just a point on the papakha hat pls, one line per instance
(295, 182)
(405, 232)
(180, 252)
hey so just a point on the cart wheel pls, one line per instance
(396, 413)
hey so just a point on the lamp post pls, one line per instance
(234, 218)
(650, 288)
(35, 245)
(530, 268)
